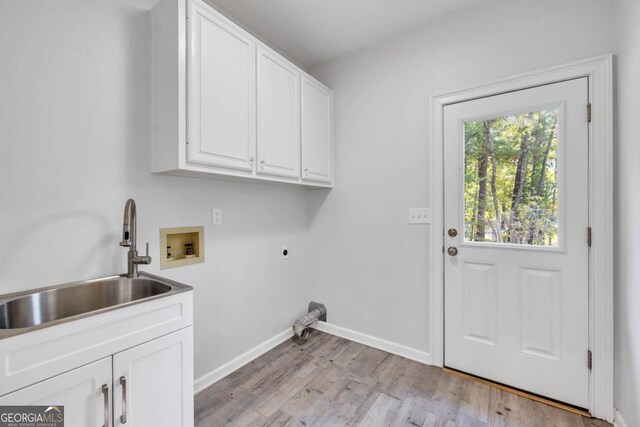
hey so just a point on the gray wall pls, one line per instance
(370, 267)
(627, 211)
(74, 141)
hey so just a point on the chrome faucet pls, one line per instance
(129, 229)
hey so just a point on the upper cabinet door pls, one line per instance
(221, 92)
(278, 116)
(316, 132)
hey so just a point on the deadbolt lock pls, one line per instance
(452, 232)
(452, 251)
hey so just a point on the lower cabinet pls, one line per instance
(79, 391)
(153, 383)
(147, 385)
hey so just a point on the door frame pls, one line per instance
(599, 71)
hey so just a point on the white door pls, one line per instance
(153, 383)
(516, 247)
(278, 116)
(221, 92)
(316, 131)
(85, 394)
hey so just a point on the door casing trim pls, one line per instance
(599, 71)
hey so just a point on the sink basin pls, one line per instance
(66, 302)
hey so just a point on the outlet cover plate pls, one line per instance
(216, 216)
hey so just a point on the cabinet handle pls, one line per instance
(123, 383)
(261, 164)
(251, 161)
(105, 392)
(306, 171)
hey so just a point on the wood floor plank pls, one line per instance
(363, 397)
(300, 402)
(268, 403)
(474, 401)
(280, 419)
(228, 413)
(382, 412)
(329, 381)
(533, 414)
(275, 377)
(348, 354)
(433, 420)
(413, 412)
(568, 419)
(446, 399)
(464, 420)
(594, 422)
(503, 409)
(249, 418)
(390, 375)
(251, 379)
(366, 362)
(425, 378)
(318, 413)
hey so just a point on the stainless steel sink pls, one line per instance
(48, 306)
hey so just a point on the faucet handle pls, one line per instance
(146, 259)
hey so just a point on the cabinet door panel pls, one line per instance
(79, 391)
(316, 132)
(221, 93)
(278, 116)
(158, 381)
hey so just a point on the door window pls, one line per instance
(511, 179)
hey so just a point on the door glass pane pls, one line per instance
(511, 188)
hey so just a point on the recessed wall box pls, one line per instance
(181, 240)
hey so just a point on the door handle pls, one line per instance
(452, 232)
(123, 383)
(453, 251)
(105, 392)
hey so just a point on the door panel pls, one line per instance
(153, 383)
(479, 293)
(79, 391)
(278, 116)
(516, 285)
(221, 88)
(539, 293)
(316, 132)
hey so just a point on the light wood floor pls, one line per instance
(330, 381)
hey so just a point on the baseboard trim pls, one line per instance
(618, 421)
(217, 374)
(379, 343)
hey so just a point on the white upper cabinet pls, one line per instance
(278, 116)
(224, 104)
(221, 92)
(316, 132)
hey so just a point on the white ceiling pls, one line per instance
(314, 31)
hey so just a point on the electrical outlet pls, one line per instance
(216, 216)
(419, 215)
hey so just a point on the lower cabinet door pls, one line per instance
(85, 394)
(153, 383)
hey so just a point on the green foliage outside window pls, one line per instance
(511, 191)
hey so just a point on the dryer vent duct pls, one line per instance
(301, 327)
